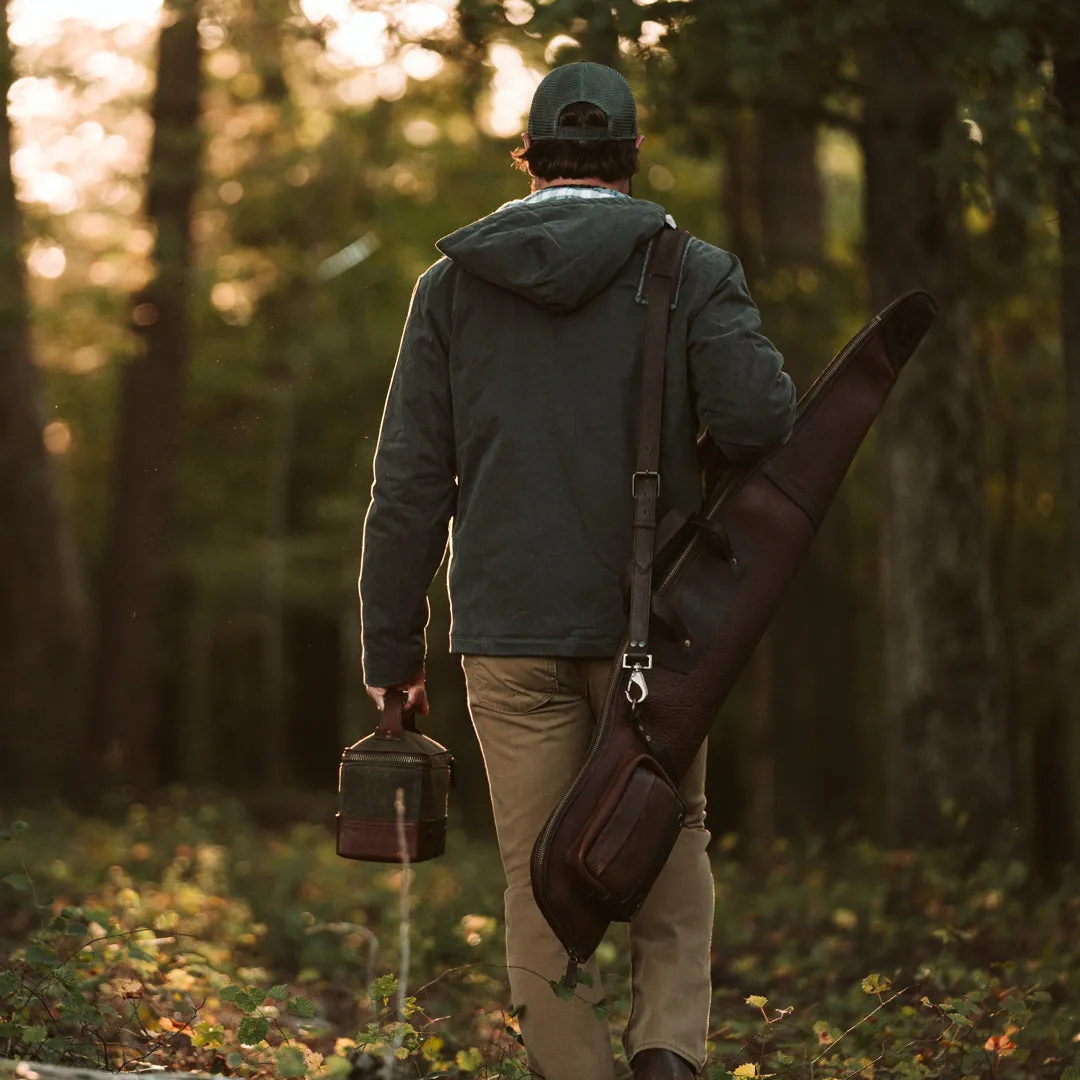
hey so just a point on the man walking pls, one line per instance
(512, 412)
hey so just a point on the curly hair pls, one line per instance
(567, 159)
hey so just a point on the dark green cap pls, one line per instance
(601, 86)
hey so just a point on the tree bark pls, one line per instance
(1056, 727)
(1067, 92)
(790, 197)
(813, 634)
(41, 601)
(943, 707)
(124, 710)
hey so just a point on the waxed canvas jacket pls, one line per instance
(512, 417)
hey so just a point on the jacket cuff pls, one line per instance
(379, 671)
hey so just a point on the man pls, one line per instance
(512, 411)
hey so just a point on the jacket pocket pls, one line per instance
(510, 684)
(628, 839)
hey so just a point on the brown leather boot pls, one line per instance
(657, 1064)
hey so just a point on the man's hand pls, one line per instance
(415, 690)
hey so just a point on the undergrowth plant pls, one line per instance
(197, 943)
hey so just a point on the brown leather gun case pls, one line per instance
(702, 594)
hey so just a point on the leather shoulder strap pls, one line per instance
(661, 280)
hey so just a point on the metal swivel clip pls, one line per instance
(637, 689)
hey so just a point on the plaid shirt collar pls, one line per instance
(573, 191)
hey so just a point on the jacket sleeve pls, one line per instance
(412, 500)
(743, 395)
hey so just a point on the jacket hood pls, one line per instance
(557, 253)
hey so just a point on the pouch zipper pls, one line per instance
(830, 372)
(392, 757)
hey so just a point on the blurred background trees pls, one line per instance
(222, 207)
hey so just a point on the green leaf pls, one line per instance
(37, 957)
(35, 1034)
(302, 1007)
(279, 992)
(234, 1060)
(19, 882)
(10, 1030)
(756, 1001)
(1072, 1072)
(290, 1062)
(384, 987)
(585, 977)
(561, 990)
(206, 1034)
(9, 982)
(255, 996)
(876, 984)
(253, 1029)
(469, 1060)
(337, 1067)
(230, 993)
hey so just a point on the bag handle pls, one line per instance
(662, 272)
(395, 719)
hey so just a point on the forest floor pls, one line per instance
(187, 937)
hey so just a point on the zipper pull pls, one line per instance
(570, 979)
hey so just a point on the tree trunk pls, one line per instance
(1057, 728)
(124, 709)
(813, 635)
(943, 708)
(1067, 91)
(737, 195)
(790, 198)
(41, 602)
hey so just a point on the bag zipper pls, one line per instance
(391, 757)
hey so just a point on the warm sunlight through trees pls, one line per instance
(326, 123)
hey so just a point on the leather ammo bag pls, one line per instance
(703, 590)
(395, 757)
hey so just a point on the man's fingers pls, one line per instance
(417, 699)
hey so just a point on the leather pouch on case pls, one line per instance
(629, 837)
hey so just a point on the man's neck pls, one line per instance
(622, 186)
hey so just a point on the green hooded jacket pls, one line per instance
(512, 413)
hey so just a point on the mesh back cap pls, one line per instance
(597, 84)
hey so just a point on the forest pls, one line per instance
(211, 221)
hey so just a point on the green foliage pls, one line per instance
(162, 961)
(827, 963)
(973, 977)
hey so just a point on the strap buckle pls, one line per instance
(644, 474)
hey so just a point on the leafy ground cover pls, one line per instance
(187, 937)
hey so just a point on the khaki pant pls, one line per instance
(534, 718)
